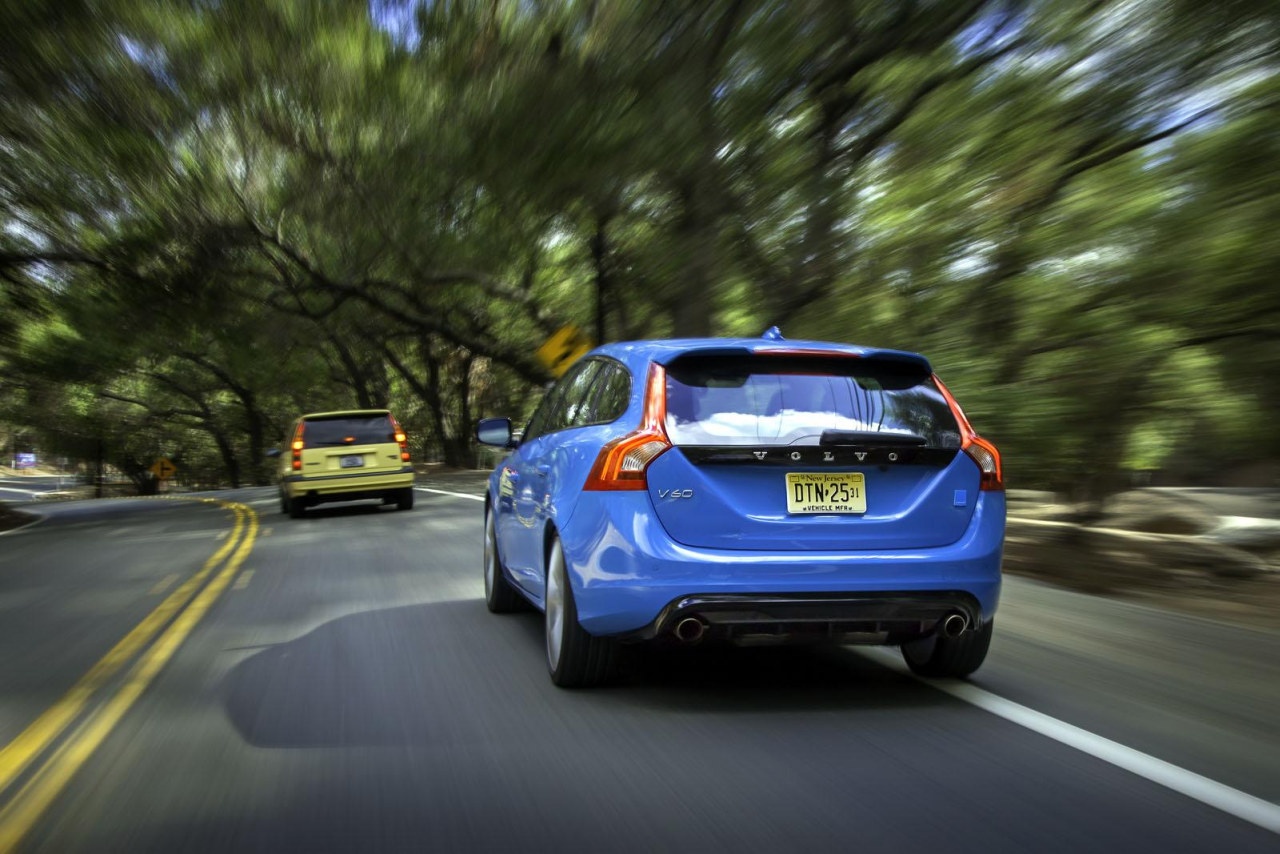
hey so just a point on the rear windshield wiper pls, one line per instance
(865, 438)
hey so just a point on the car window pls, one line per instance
(613, 394)
(549, 416)
(765, 402)
(537, 423)
(347, 430)
(574, 408)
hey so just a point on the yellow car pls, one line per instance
(345, 456)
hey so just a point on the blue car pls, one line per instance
(750, 491)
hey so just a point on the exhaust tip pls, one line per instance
(953, 625)
(689, 630)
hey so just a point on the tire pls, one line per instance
(575, 659)
(405, 499)
(949, 657)
(499, 595)
(297, 508)
(284, 503)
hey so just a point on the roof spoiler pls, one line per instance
(889, 358)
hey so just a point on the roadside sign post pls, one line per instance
(163, 469)
(562, 349)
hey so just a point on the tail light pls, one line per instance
(401, 439)
(983, 452)
(298, 445)
(622, 463)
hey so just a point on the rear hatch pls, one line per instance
(810, 452)
(350, 443)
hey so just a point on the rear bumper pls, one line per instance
(630, 578)
(341, 487)
(778, 617)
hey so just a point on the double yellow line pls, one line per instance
(172, 620)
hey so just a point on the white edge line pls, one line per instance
(1242, 805)
(31, 524)
(454, 494)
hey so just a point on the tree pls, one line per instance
(219, 216)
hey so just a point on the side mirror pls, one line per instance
(273, 452)
(494, 431)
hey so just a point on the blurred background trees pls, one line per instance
(216, 216)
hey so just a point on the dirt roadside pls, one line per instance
(1161, 548)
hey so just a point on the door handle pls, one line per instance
(542, 469)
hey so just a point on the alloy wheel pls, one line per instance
(490, 556)
(555, 605)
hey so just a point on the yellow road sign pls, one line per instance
(563, 348)
(163, 469)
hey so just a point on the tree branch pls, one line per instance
(366, 292)
(866, 145)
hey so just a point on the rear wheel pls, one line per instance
(955, 657)
(499, 595)
(575, 658)
(297, 508)
(284, 503)
(405, 500)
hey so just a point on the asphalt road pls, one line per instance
(339, 685)
(29, 488)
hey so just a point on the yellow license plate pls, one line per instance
(826, 492)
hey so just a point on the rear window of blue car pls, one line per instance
(764, 401)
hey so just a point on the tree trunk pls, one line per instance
(364, 396)
(696, 272)
(1109, 435)
(257, 455)
(429, 392)
(599, 253)
(698, 232)
(465, 450)
(435, 405)
(228, 454)
(812, 271)
(97, 490)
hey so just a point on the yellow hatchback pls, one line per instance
(345, 456)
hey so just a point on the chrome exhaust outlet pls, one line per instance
(689, 630)
(952, 625)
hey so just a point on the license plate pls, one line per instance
(826, 492)
(352, 462)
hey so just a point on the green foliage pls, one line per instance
(219, 215)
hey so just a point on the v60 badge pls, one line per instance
(675, 493)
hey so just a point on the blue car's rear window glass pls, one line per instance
(347, 430)
(769, 402)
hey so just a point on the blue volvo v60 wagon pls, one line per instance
(749, 491)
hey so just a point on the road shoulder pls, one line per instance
(12, 519)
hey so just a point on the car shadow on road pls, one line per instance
(451, 673)
(360, 508)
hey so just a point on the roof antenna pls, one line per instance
(773, 333)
